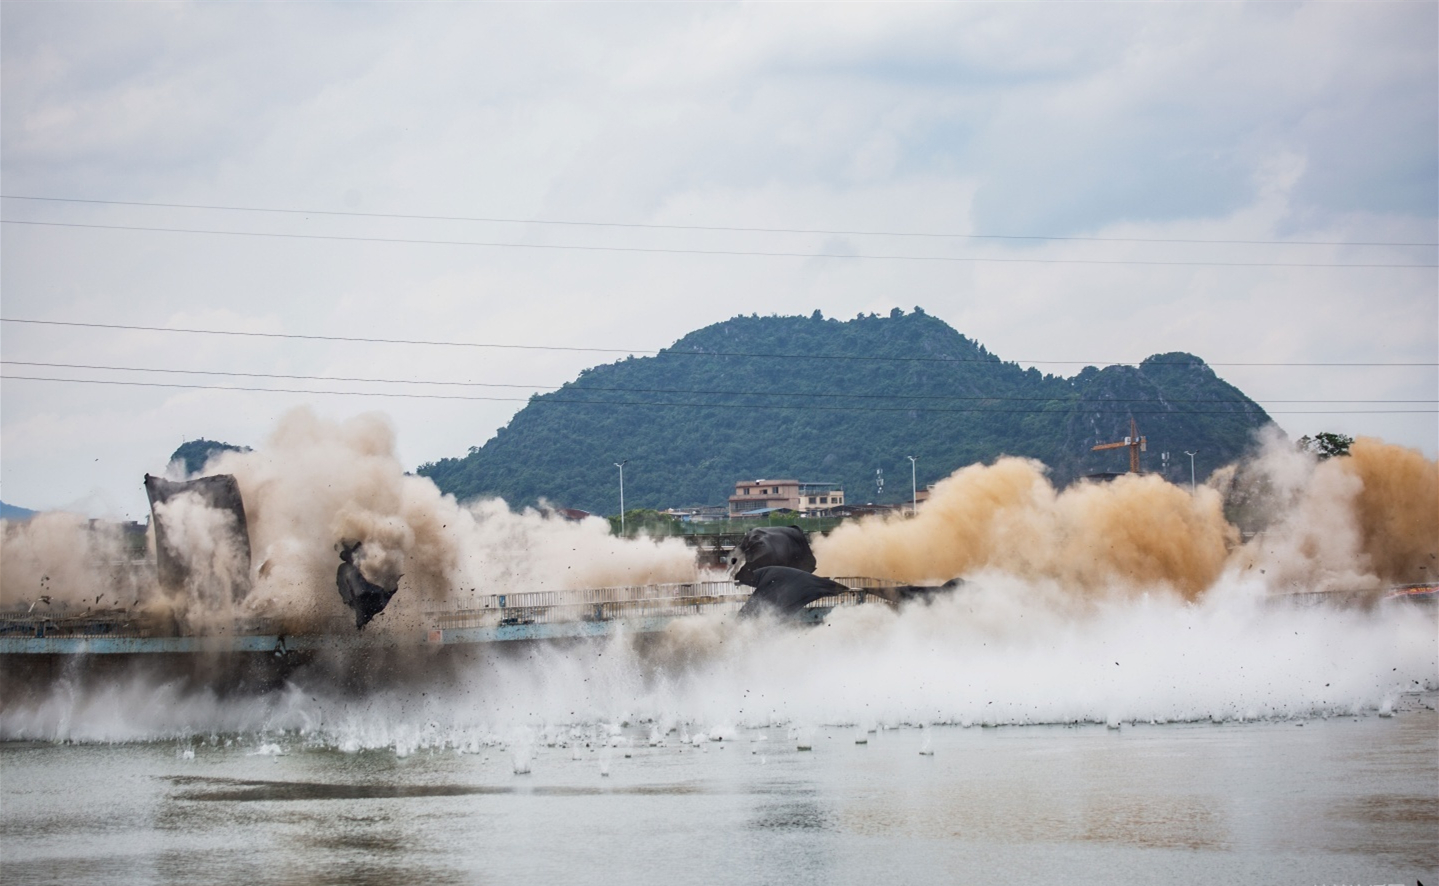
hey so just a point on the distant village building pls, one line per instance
(770, 495)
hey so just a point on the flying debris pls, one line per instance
(216, 501)
(786, 590)
(366, 598)
(923, 593)
(777, 561)
(771, 546)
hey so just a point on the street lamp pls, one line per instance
(913, 487)
(621, 466)
(1191, 469)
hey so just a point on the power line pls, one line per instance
(1089, 406)
(690, 391)
(719, 252)
(343, 338)
(727, 228)
(670, 352)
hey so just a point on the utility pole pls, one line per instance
(913, 487)
(1191, 469)
(621, 466)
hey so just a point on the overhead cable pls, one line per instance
(718, 252)
(721, 228)
(673, 352)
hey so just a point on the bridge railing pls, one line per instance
(610, 604)
(587, 604)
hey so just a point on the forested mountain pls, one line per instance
(818, 399)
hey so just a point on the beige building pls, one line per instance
(804, 498)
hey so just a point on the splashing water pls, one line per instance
(999, 652)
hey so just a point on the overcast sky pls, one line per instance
(1281, 125)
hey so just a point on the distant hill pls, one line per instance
(11, 512)
(195, 453)
(818, 399)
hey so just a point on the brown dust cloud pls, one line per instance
(1353, 523)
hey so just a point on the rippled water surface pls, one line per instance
(1339, 800)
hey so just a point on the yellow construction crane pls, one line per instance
(1136, 444)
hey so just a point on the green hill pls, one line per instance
(195, 454)
(15, 513)
(819, 399)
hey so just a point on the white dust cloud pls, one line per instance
(68, 559)
(204, 541)
(317, 483)
(314, 484)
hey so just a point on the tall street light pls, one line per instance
(1191, 469)
(621, 466)
(913, 488)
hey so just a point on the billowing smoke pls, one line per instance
(317, 484)
(1138, 532)
(60, 560)
(1356, 523)
(1397, 509)
(213, 571)
(1133, 600)
(314, 485)
(1294, 524)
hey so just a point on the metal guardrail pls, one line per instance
(593, 605)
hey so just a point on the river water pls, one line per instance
(1342, 799)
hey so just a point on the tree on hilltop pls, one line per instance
(1325, 445)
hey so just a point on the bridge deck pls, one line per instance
(493, 618)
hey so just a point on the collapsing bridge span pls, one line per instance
(490, 618)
